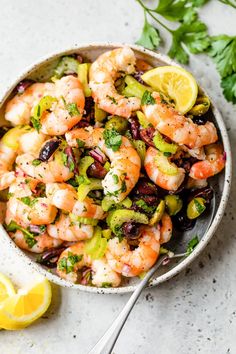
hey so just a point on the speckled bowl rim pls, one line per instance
(207, 236)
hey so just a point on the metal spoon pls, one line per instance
(108, 340)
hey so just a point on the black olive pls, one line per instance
(48, 149)
(135, 128)
(206, 193)
(147, 135)
(145, 187)
(96, 170)
(138, 76)
(182, 223)
(3, 131)
(50, 257)
(199, 120)
(131, 230)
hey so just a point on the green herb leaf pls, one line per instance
(80, 143)
(229, 2)
(147, 98)
(73, 109)
(113, 100)
(191, 245)
(150, 37)
(66, 264)
(28, 201)
(223, 52)
(143, 205)
(115, 179)
(192, 36)
(28, 236)
(36, 123)
(229, 87)
(112, 138)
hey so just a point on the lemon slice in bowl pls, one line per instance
(174, 82)
(20, 310)
(6, 288)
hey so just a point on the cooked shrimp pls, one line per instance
(69, 93)
(23, 186)
(51, 171)
(42, 242)
(177, 127)
(31, 141)
(103, 73)
(132, 263)
(40, 212)
(7, 158)
(102, 274)
(125, 162)
(213, 164)
(163, 180)
(166, 228)
(67, 230)
(75, 258)
(19, 108)
(64, 197)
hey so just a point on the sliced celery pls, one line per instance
(134, 88)
(84, 189)
(162, 145)
(174, 204)
(11, 138)
(164, 165)
(67, 65)
(96, 246)
(142, 119)
(119, 217)
(140, 147)
(83, 73)
(158, 213)
(44, 104)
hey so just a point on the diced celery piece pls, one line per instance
(162, 145)
(96, 246)
(106, 233)
(119, 217)
(82, 220)
(11, 138)
(142, 119)
(84, 189)
(83, 73)
(140, 146)
(164, 165)
(67, 65)
(134, 88)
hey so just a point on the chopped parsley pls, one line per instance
(67, 263)
(28, 201)
(36, 123)
(147, 98)
(143, 205)
(191, 245)
(115, 179)
(73, 110)
(112, 138)
(28, 236)
(113, 100)
(80, 143)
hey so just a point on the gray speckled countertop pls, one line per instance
(194, 312)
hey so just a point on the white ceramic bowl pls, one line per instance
(43, 70)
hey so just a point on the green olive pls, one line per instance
(195, 208)
(201, 106)
(118, 123)
(158, 213)
(174, 204)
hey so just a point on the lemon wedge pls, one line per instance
(20, 310)
(6, 288)
(176, 83)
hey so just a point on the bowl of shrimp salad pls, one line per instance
(103, 170)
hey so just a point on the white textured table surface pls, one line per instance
(196, 311)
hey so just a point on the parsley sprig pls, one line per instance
(191, 37)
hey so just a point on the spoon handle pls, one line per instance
(108, 340)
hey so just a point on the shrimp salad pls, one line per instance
(98, 169)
